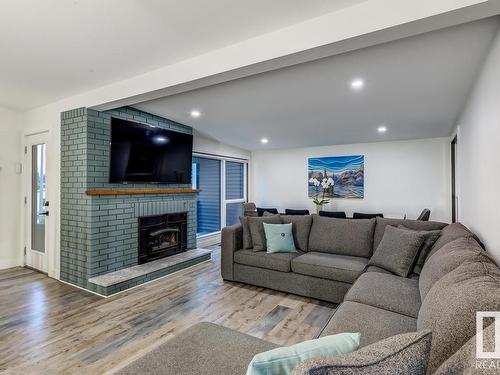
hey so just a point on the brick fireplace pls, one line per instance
(100, 233)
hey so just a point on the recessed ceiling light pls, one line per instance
(264, 140)
(195, 113)
(382, 129)
(357, 83)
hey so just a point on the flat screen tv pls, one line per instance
(147, 154)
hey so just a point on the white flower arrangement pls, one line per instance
(326, 183)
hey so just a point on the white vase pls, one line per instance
(319, 207)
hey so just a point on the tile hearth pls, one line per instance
(117, 281)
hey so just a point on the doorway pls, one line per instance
(454, 197)
(37, 206)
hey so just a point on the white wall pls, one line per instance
(401, 178)
(478, 156)
(206, 145)
(10, 188)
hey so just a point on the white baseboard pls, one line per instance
(9, 263)
(55, 274)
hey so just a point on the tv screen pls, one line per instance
(147, 154)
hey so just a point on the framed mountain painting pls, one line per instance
(346, 172)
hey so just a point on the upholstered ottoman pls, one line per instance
(204, 349)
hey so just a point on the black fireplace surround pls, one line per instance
(162, 235)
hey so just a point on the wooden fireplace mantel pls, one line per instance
(142, 191)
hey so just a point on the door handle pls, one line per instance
(46, 213)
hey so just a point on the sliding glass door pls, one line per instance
(223, 183)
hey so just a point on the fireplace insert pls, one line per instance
(161, 236)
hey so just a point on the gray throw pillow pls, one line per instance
(301, 227)
(257, 230)
(247, 236)
(407, 353)
(431, 237)
(398, 250)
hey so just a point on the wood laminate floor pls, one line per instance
(48, 327)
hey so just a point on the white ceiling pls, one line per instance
(415, 86)
(53, 49)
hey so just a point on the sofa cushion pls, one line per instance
(388, 292)
(450, 307)
(377, 269)
(301, 227)
(261, 259)
(246, 236)
(373, 323)
(329, 266)
(407, 353)
(291, 282)
(342, 236)
(463, 362)
(206, 354)
(398, 250)
(410, 224)
(446, 259)
(257, 230)
(451, 233)
(431, 237)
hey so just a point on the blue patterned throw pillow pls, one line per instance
(279, 238)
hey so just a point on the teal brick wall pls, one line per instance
(99, 234)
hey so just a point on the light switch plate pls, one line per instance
(18, 168)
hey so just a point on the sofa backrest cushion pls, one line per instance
(342, 236)
(257, 230)
(301, 227)
(450, 233)
(410, 224)
(449, 309)
(464, 360)
(446, 259)
(407, 353)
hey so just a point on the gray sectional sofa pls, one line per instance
(332, 254)
(457, 279)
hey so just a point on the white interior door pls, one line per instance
(37, 207)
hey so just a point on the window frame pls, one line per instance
(223, 200)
